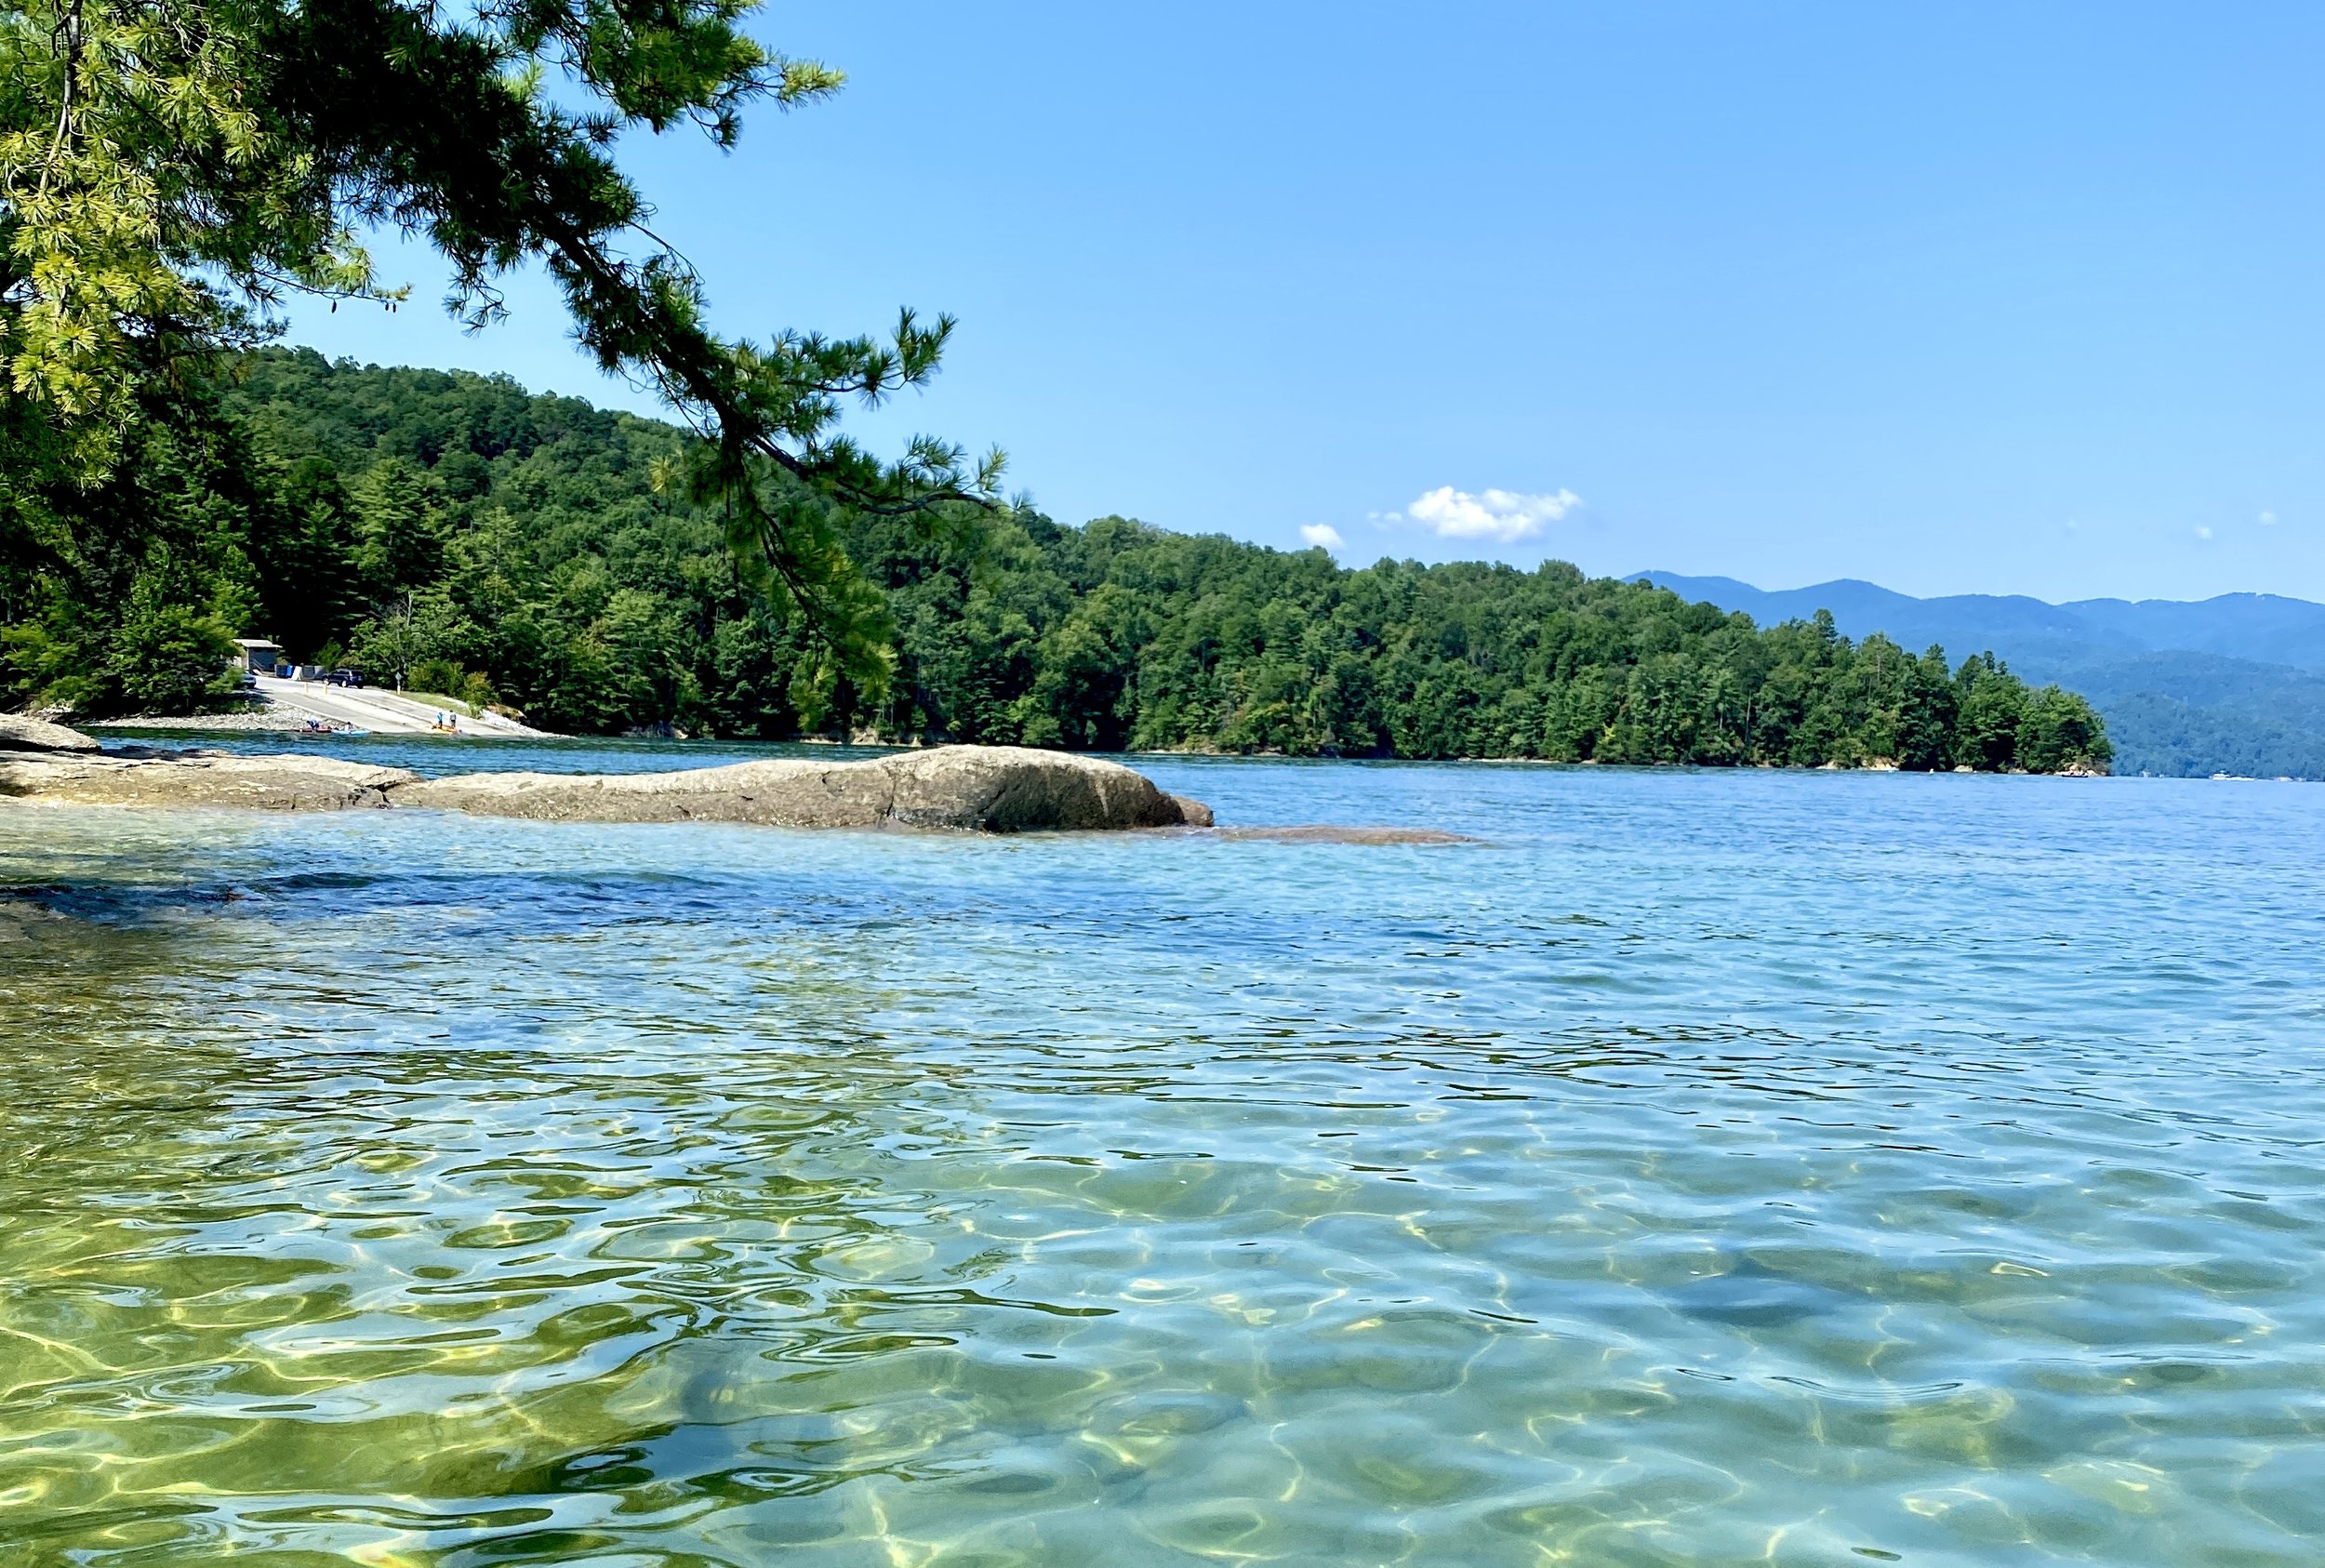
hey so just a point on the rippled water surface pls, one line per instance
(1703, 1168)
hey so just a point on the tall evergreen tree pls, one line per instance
(171, 170)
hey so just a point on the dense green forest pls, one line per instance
(453, 533)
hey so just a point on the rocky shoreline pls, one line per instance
(258, 721)
(975, 789)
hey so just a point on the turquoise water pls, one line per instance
(1703, 1167)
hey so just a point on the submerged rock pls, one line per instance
(982, 789)
(1324, 832)
(1749, 1295)
(201, 778)
(20, 733)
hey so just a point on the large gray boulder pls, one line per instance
(285, 783)
(1006, 790)
(21, 733)
(981, 789)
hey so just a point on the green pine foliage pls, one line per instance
(124, 597)
(171, 171)
(454, 531)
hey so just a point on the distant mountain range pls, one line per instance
(2232, 684)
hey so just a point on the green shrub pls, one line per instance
(172, 658)
(441, 676)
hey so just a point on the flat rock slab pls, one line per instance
(978, 789)
(19, 733)
(211, 778)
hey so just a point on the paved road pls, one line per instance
(383, 712)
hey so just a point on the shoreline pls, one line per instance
(266, 721)
(277, 706)
(277, 722)
(271, 723)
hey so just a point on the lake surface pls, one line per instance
(1707, 1168)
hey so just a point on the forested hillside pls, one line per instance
(452, 532)
(2230, 684)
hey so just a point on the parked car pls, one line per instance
(344, 678)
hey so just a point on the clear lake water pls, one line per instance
(1699, 1167)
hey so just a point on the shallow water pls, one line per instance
(1703, 1168)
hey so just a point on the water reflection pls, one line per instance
(417, 1192)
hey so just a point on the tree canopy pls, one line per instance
(172, 170)
(460, 535)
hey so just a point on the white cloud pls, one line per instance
(1323, 535)
(2203, 531)
(2268, 520)
(1504, 515)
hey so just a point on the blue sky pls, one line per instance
(1962, 298)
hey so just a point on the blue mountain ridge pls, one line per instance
(2229, 685)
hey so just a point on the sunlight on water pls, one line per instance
(1702, 1168)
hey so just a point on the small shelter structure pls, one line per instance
(257, 655)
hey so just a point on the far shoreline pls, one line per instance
(262, 723)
